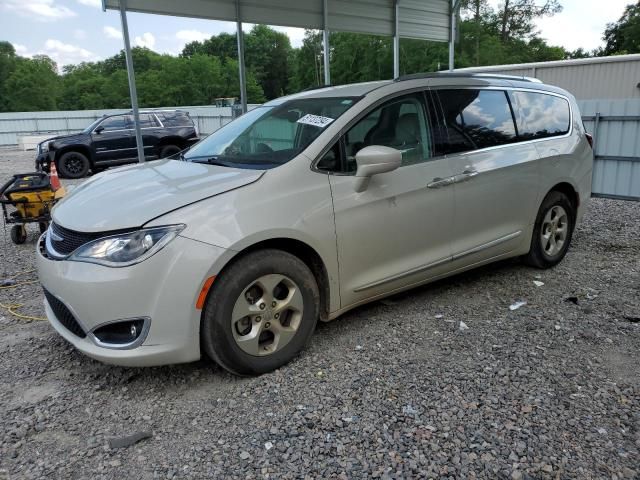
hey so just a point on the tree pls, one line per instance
(516, 18)
(33, 85)
(267, 55)
(623, 36)
(306, 63)
(7, 66)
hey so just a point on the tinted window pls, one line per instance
(148, 121)
(476, 119)
(175, 119)
(400, 123)
(539, 115)
(119, 122)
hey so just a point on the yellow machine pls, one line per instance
(28, 198)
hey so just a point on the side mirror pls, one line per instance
(99, 130)
(374, 160)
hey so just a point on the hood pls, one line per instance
(70, 136)
(129, 197)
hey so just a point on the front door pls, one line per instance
(113, 139)
(496, 175)
(397, 232)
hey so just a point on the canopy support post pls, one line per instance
(396, 39)
(455, 6)
(132, 80)
(243, 77)
(325, 41)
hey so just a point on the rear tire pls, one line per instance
(18, 234)
(260, 313)
(73, 165)
(169, 150)
(552, 231)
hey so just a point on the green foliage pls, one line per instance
(623, 36)
(7, 66)
(33, 84)
(208, 70)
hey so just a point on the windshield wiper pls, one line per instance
(210, 161)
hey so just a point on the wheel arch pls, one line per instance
(171, 140)
(570, 191)
(83, 149)
(304, 252)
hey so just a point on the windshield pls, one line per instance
(92, 126)
(269, 136)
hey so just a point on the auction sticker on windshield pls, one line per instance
(315, 120)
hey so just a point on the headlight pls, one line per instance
(43, 147)
(127, 248)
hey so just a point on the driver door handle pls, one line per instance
(467, 174)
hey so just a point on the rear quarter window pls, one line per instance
(175, 119)
(540, 115)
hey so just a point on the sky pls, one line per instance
(73, 31)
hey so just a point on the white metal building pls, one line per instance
(608, 92)
(586, 78)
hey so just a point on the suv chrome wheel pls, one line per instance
(554, 230)
(267, 314)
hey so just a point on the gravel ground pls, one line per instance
(396, 389)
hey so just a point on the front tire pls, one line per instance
(552, 231)
(169, 150)
(73, 165)
(260, 313)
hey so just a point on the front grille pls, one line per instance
(70, 240)
(64, 315)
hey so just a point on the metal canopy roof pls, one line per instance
(422, 19)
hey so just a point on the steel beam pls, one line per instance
(455, 6)
(396, 39)
(132, 80)
(325, 40)
(243, 77)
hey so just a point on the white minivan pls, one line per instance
(309, 206)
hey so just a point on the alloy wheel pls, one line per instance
(554, 231)
(74, 164)
(267, 314)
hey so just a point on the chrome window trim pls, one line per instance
(359, 117)
(128, 129)
(515, 89)
(146, 326)
(157, 119)
(448, 87)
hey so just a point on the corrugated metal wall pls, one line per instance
(14, 124)
(616, 129)
(586, 79)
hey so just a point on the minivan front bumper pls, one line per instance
(163, 290)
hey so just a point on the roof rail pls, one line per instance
(417, 76)
(317, 87)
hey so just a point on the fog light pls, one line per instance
(121, 333)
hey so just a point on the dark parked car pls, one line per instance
(111, 141)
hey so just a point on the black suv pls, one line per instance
(111, 140)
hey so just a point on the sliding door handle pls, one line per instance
(439, 182)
